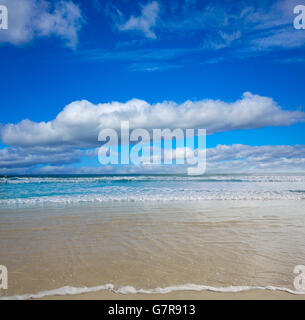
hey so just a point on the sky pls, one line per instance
(70, 68)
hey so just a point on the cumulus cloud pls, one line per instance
(73, 134)
(80, 122)
(29, 19)
(145, 22)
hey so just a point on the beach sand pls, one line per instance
(160, 245)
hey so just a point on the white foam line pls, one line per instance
(68, 290)
(63, 291)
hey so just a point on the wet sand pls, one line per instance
(212, 243)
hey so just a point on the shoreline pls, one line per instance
(183, 295)
(107, 292)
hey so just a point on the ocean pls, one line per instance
(47, 190)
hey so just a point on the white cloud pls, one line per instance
(58, 143)
(257, 27)
(228, 159)
(80, 122)
(13, 158)
(145, 22)
(252, 26)
(29, 19)
(234, 158)
(265, 28)
(221, 159)
(243, 158)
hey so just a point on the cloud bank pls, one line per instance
(221, 159)
(12, 158)
(242, 158)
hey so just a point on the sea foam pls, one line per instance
(33, 191)
(69, 290)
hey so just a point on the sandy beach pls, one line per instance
(191, 249)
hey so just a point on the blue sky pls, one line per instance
(60, 52)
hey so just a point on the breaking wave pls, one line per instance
(28, 191)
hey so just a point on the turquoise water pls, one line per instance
(52, 190)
